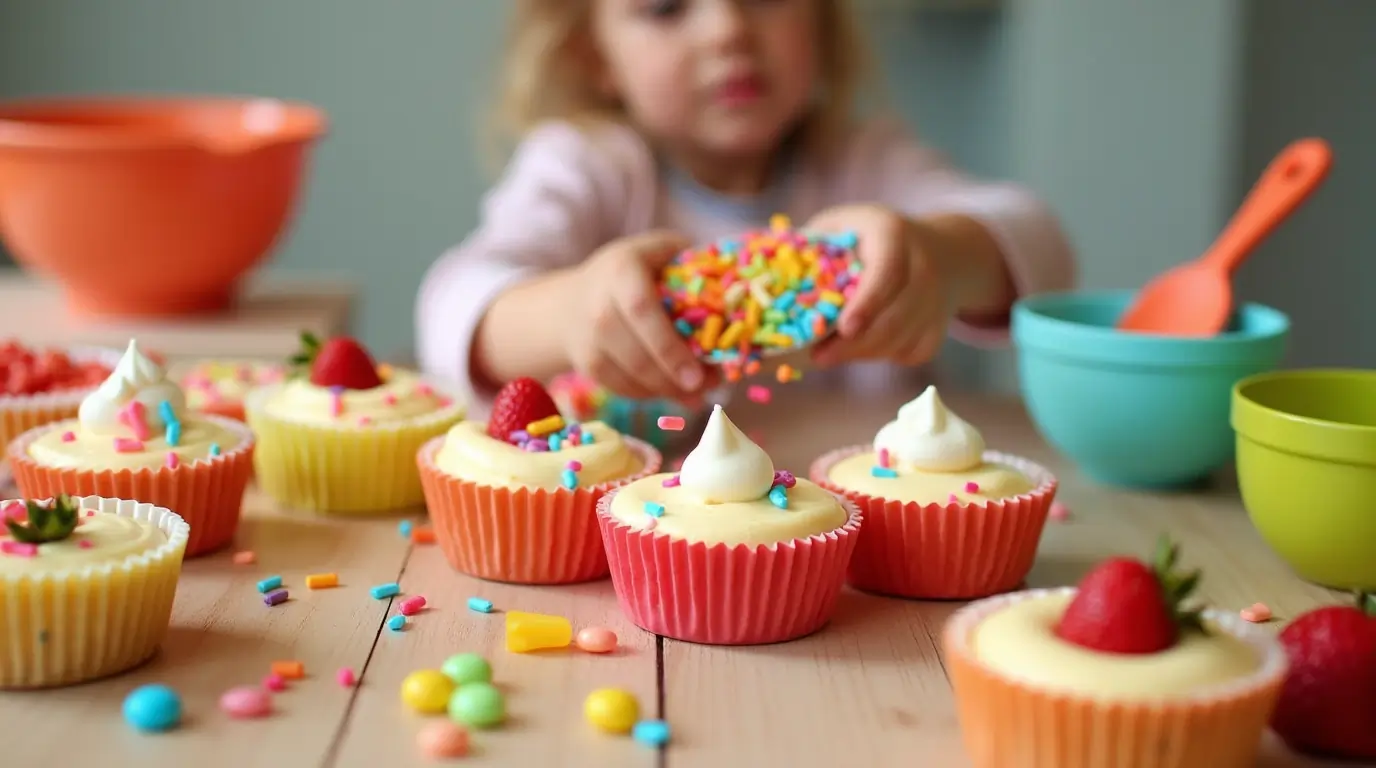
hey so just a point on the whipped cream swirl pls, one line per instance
(136, 377)
(927, 436)
(726, 466)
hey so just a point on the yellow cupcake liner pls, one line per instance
(342, 470)
(70, 626)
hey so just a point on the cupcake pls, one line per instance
(134, 438)
(944, 518)
(42, 386)
(342, 437)
(727, 551)
(515, 499)
(86, 587)
(218, 387)
(1116, 673)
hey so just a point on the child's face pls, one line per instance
(728, 77)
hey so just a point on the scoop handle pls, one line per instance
(1286, 183)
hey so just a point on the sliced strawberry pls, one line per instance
(340, 362)
(1327, 706)
(517, 405)
(1127, 606)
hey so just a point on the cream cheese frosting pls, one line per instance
(216, 382)
(1020, 641)
(928, 454)
(722, 496)
(930, 437)
(124, 424)
(99, 538)
(403, 396)
(469, 453)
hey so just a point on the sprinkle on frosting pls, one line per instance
(135, 378)
(726, 466)
(928, 436)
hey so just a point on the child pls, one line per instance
(650, 125)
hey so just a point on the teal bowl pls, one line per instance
(1136, 410)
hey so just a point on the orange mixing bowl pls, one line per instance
(150, 206)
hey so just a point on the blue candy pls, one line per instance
(152, 708)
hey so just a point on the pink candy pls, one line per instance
(596, 640)
(19, 548)
(134, 417)
(574, 466)
(759, 394)
(246, 702)
(671, 482)
(127, 445)
(671, 423)
(884, 458)
(345, 677)
(1059, 512)
(172, 460)
(274, 683)
(412, 605)
(972, 487)
(68, 437)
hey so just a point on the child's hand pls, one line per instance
(620, 335)
(903, 301)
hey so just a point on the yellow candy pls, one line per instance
(832, 297)
(545, 426)
(731, 336)
(711, 330)
(779, 222)
(612, 710)
(535, 631)
(427, 690)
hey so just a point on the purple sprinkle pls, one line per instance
(785, 478)
(537, 446)
(573, 429)
(671, 482)
(275, 598)
(519, 436)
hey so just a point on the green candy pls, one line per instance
(477, 705)
(466, 668)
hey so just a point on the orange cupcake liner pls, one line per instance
(953, 551)
(722, 595)
(1008, 722)
(521, 535)
(208, 493)
(230, 409)
(21, 413)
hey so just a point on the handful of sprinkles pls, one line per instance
(770, 291)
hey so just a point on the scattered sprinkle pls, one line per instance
(134, 416)
(1257, 613)
(68, 436)
(396, 623)
(759, 394)
(778, 497)
(345, 677)
(480, 605)
(246, 557)
(883, 472)
(653, 509)
(1059, 512)
(545, 426)
(412, 605)
(322, 580)
(174, 433)
(19, 548)
(275, 598)
(85, 544)
(152, 708)
(671, 482)
(972, 487)
(953, 499)
(596, 640)
(785, 478)
(569, 479)
(127, 445)
(651, 733)
(289, 670)
(274, 682)
(384, 591)
(246, 702)
(884, 460)
(422, 534)
(214, 449)
(671, 423)
(442, 739)
(404, 528)
(574, 466)
(269, 584)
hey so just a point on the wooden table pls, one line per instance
(869, 690)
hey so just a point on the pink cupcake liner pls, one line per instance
(721, 595)
(950, 551)
(521, 535)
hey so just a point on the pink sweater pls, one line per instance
(567, 192)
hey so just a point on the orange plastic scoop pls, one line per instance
(1196, 299)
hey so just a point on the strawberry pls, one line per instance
(1127, 606)
(339, 362)
(518, 404)
(1327, 705)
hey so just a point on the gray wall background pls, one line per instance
(1143, 122)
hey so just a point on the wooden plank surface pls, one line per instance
(868, 690)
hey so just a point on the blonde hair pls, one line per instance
(546, 72)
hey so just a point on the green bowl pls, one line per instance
(1306, 465)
